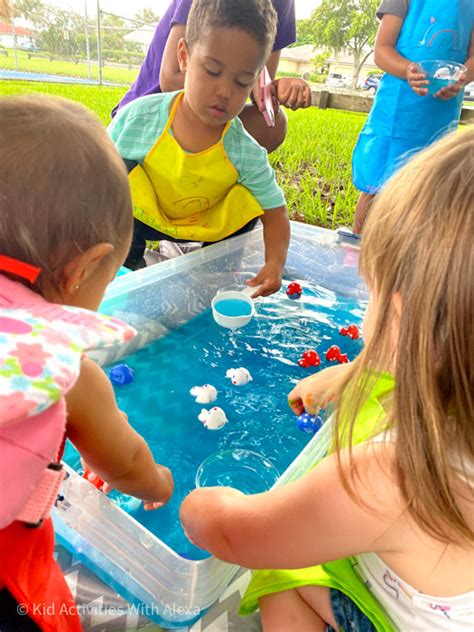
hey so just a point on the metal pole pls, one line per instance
(88, 51)
(15, 44)
(99, 44)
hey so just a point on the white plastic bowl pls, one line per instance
(232, 322)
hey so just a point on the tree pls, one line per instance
(304, 33)
(347, 25)
(145, 17)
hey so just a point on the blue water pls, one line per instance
(233, 307)
(435, 85)
(160, 407)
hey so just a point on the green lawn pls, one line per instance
(111, 74)
(313, 165)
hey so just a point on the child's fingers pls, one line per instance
(296, 405)
(151, 506)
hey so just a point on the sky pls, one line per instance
(127, 8)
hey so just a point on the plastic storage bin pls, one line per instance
(167, 588)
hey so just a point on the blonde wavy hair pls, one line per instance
(419, 242)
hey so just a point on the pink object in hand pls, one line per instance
(266, 100)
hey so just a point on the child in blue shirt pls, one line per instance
(404, 118)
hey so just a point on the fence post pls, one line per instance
(88, 50)
(323, 99)
(99, 44)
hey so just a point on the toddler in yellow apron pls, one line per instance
(195, 173)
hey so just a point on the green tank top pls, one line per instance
(340, 574)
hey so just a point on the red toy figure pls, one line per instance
(333, 353)
(311, 357)
(95, 480)
(352, 331)
(294, 291)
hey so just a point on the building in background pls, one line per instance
(8, 32)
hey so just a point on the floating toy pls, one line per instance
(121, 374)
(294, 291)
(204, 394)
(334, 353)
(213, 419)
(352, 331)
(309, 358)
(239, 377)
(309, 423)
(95, 480)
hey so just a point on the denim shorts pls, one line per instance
(348, 616)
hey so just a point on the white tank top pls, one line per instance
(408, 609)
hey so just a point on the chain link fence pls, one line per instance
(76, 41)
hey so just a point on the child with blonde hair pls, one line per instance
(388, 516)
(65, 229)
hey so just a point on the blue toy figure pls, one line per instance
(309, 423)
(121, 374)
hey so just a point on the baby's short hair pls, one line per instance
(258, 18)
(63, 186)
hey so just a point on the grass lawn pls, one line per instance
(111, 74)
(313, 165)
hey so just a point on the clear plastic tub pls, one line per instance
(164, 586)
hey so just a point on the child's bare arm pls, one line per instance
(308, 522)
(389, 59)
(276, 234)
(107, 442)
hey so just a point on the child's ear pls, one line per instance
(77, 271)
(183, 55)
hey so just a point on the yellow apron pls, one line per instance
(193, 197)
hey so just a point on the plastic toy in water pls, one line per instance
(213, 419)
(334, 353)
(204, 394)
(239, 377)
(352, 331)
(309, 423)
(309, 358)
(95, 480)
(294, 291)
(121, 374)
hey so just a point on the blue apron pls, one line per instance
(402, 123)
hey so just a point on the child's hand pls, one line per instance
(316, 391)
(293, 93)
(417, 80)
(268, 278)
(449, 92)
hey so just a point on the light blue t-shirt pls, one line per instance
(137, 126)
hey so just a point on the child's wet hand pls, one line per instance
(417, 80)
(305, 397)
(268, 278)
(452, 91)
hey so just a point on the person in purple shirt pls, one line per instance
(160, 71)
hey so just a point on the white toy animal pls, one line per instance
(204, 394)
(213, 419)
(239, 377)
